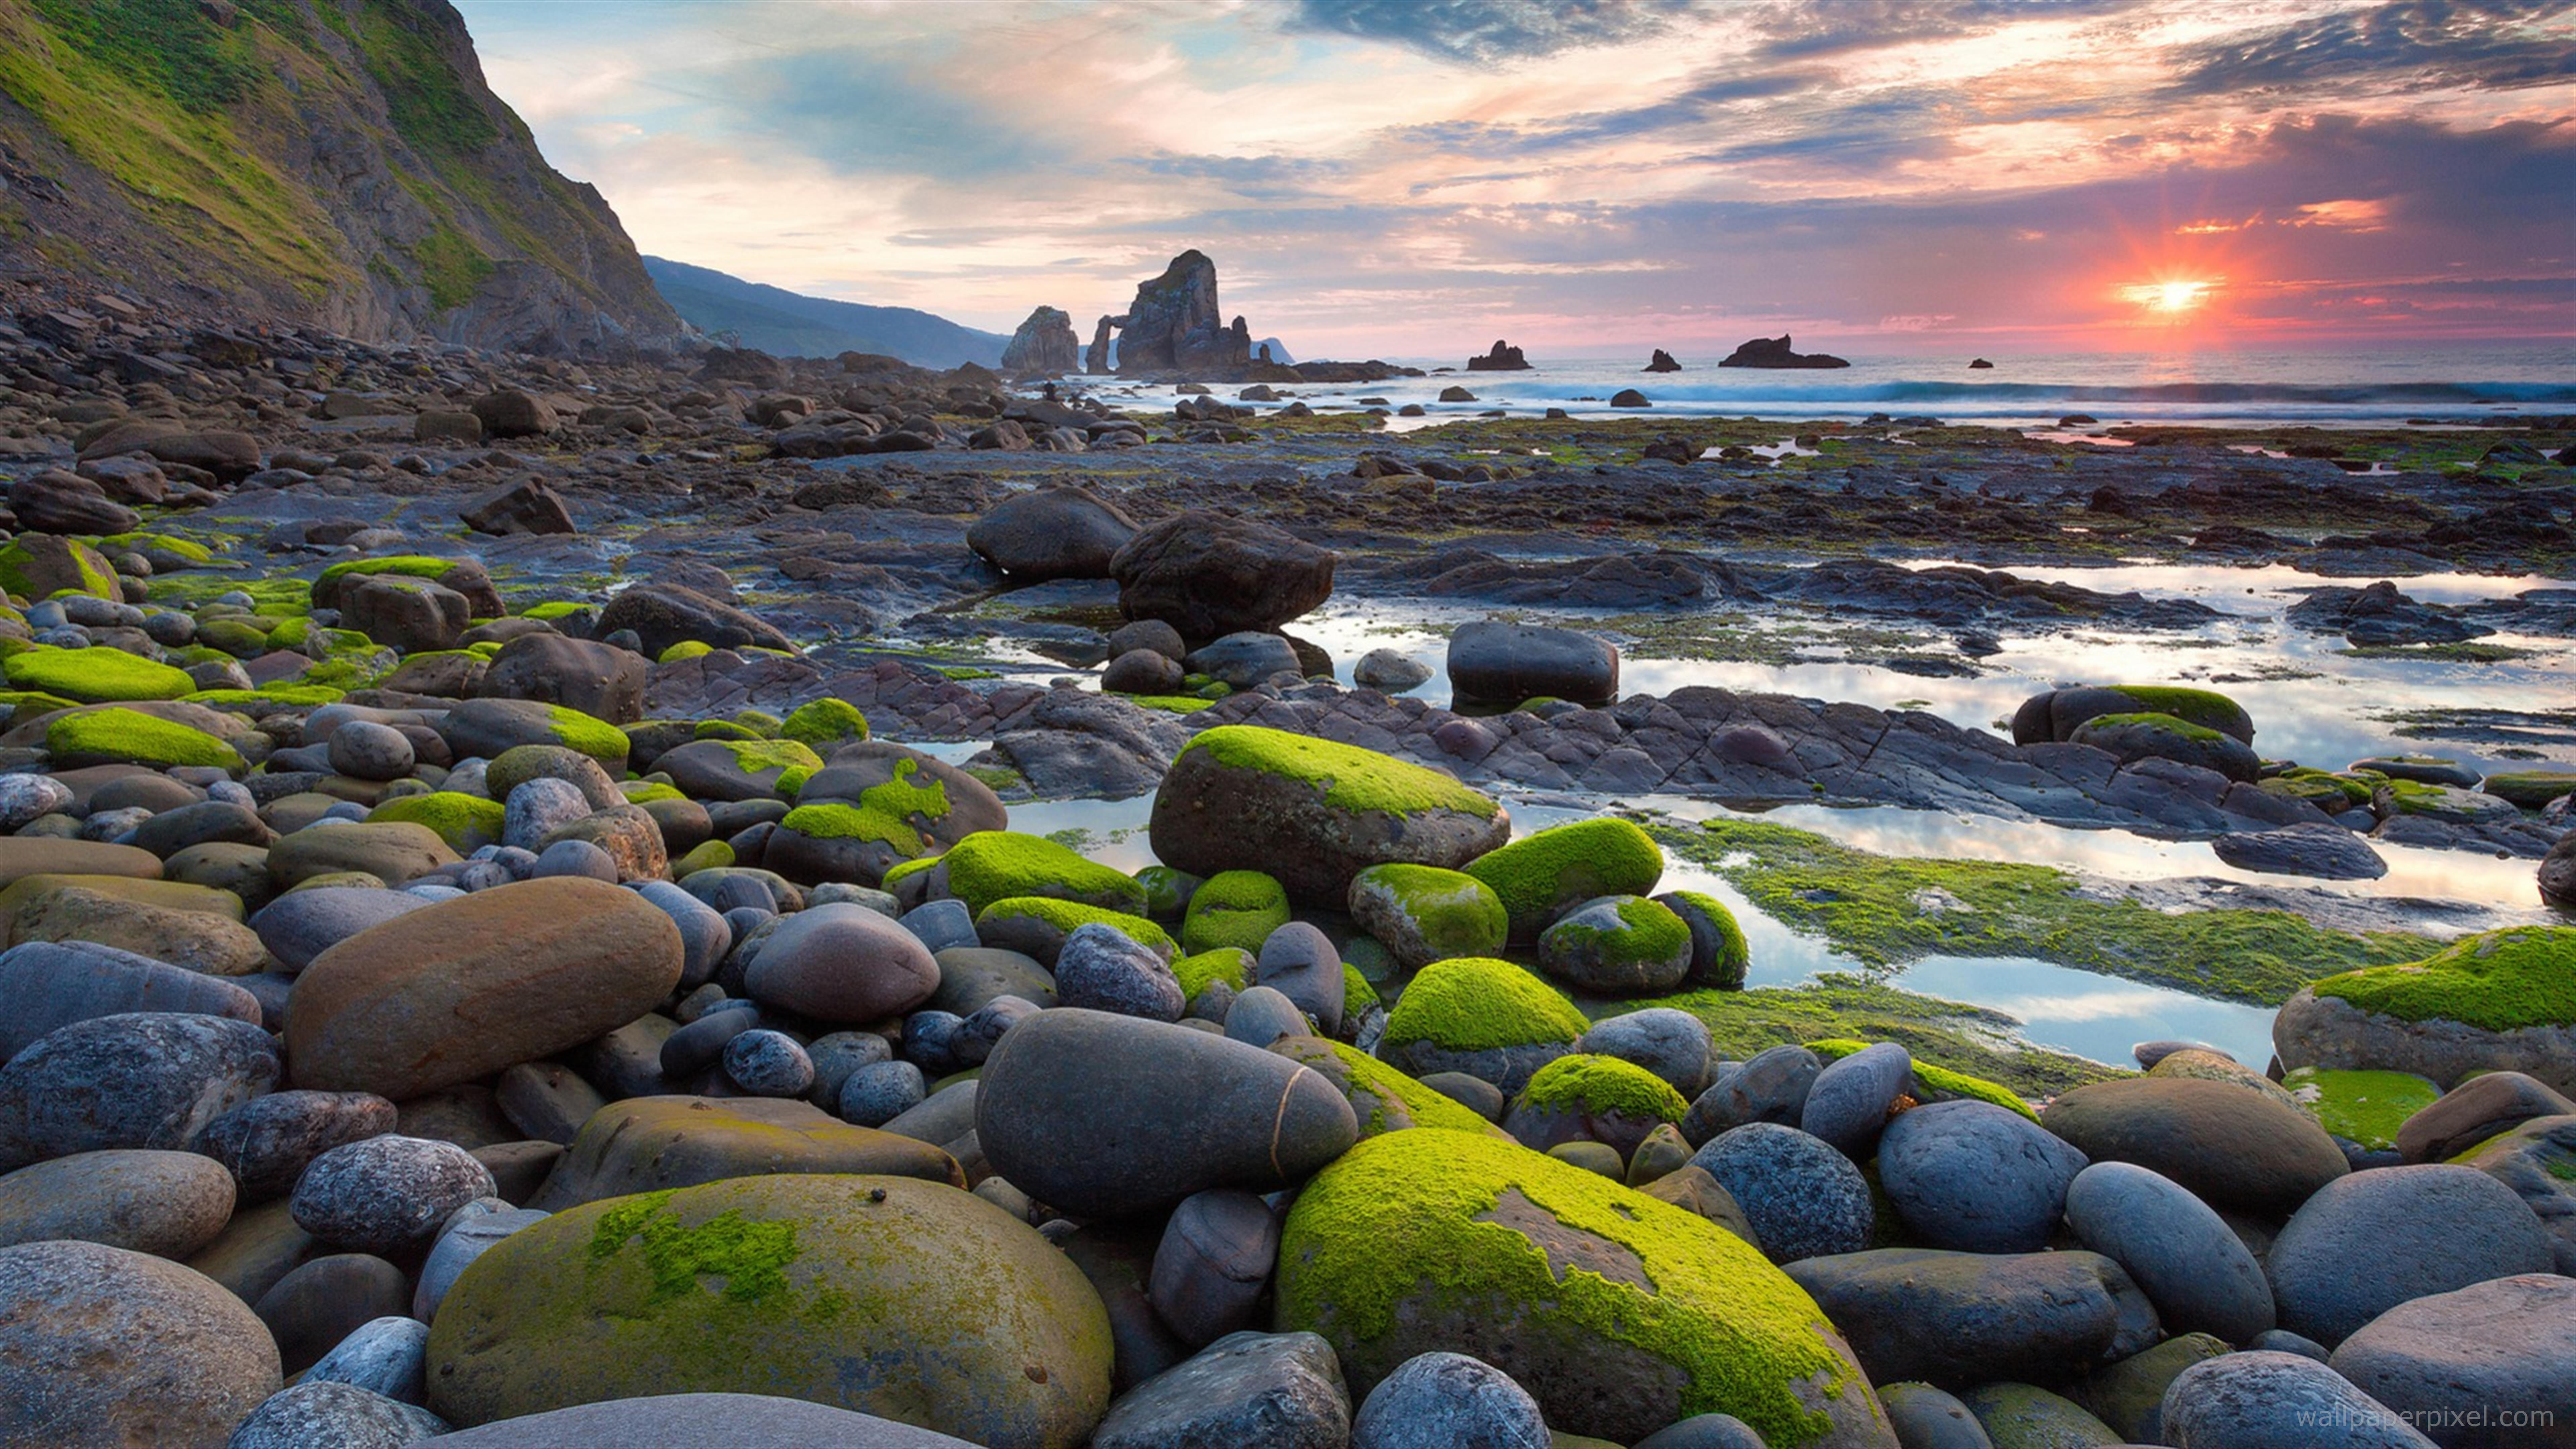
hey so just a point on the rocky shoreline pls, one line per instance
(489, 963)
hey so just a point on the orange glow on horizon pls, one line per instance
(2173, 296)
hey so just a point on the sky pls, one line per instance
(1415, 178)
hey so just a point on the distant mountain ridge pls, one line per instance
(791, 324)
(337, 162)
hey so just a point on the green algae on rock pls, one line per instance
(2504, 1000)
(993, 865)
(1541, 874)
(1422, 913)
(1884, 910)
(1619, 1313)
(1935, 1083)
(466, 822)
(1384, 1099)
(823, 723)
(1590, 1083)
(1037, 925)
(1312, 812)
(1617, 946)
(1238, 908)
(1201, 969)
(95, 675)
(2360, 1107)
(1483, 1016)
(892, 1296)
(131, 737)
(1719, 955)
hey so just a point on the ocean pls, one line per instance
(2465, 383)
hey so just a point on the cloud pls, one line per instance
(2413, 45)
(1490, 30)
(1826, 27)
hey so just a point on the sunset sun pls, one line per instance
(2170, 298)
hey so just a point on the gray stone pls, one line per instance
(1804, 1198)
(1213, 1264)
(385, 1356)
(1244, 1391)
(1509, 663)
(1956, 1320)
(975, 1037)
(1102, 968)
(2174, 1246)
(2490, 1364)
(365, 750)
(1261, 1015)
(386, 1194)
(944, 925)
(2238, 1150)
(677, 1421)
(1599, 951)
(99, 1345)
(168, 1204)
(2282, 1340)
(267, 1141)
(1301, 963)
(143, 1079)
(1926, 1418)
(300, 925)
(878, 1093)
(51, 984)
(1704, 1431)
(2277, 1401)
(2317, 849)
(1976, 1177)
(842, 963)
(704, 935)
(2376, 1239)
(1245, 659)
(2535, 1160)
(1390, 670)
(535, 809)
(839, 1054)
(1099, 1114)
(467, 1236)
(344, 1416)
(1847, 1105)
(579, 859)
(1450, 1400)
(1670, 1043)
(2484, 1106)
(768, 1064)
(1771, 1086)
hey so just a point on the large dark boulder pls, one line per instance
(1508, 663)
(1208, 574)
(1504, 358)
(1052, 533)
(598, 679)
(1045, 343)
(666, 614)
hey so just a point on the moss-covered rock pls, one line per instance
(1237, 908)
(1312, 812)
(1422, 913)
(463, 575)
(824, 723)
(1719, 956)
(1486, 1017)
(2530, 789)
(466, 822)
(2504, 1000)
(1935, 1083)
(131, 737)
(739, 769)
(2130, 738)
(994, 865)
(96, 675)
(896, 1297)
(1619, 1313)
(1541, 874)
(833, 840)
(37, 566)
(1588, 1098)
(486, 727)
(1199, 971)
(1617, 946)
(2058, 714)
(1384, 1099)
(1037, 925)
(2364, 1109)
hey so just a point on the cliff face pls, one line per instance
(1174, 326)
(339, 162)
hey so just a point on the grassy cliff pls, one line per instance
(340, 161)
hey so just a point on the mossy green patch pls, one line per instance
(793, 762)
(1937, 1083)
(95, 675)
(1347, 776)
(637, 792)
(553, 609)
(1067, 915)
(1454, 913)
(132, 737)
(1201, 969)
(707, 855)
(2172, 725)
(1883, 910)
(1541, 874)
(1647, 932)
(1732, 957)
(17, 560)
(904, 798)
(2333, 793)
(466, 822)
(409, 565)
(1409, 1229)
(2530, 789)
(1385, 1100)
(2500, 981)
(1588, 1083)
(2205, 708)
(751, 1257)
(824, 723)
(172, 544)
(992, 865)
(1238, 908)
(589, 734)
(1477, 1003)
(1169, 703)
(833, 820)
(2361, 1107)
(1357, 994)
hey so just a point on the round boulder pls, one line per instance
(2376, 1239)
(1975, 1177)
(99, 1345)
